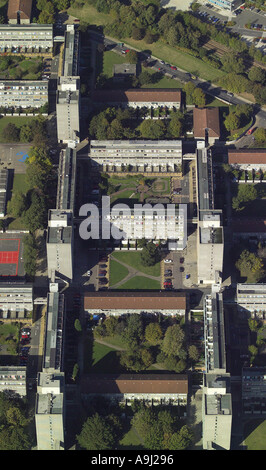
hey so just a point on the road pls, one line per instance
(183, 76)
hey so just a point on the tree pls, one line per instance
(199, 97)
(233, 63)
(246, 193)
(260, 135)
(149, 255)
(175, 126)
(145, 78)
(132, 57)
(173, 340)
(193, 353)
(11, 133)
(110, 325)
(189, 89)
(153, 333)
(25, 134)
(146, 357)
(18, 204)
(30, 254)
(232, 121)
(251, 266)
(96, 434)
(143, 421)
(77, 325)
(137, 33)
(181, 440)
(256, 74)
(36, 216)
(75, 372)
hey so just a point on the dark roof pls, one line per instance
(22, 6)
(134, 383)
(206, 118)
(135, 300)
(248, 156)
(137, 94)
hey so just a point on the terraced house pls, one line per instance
(23, 93)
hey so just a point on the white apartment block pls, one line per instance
(26, 38)
(15, 301)
(143, 156)
(23, 93)
(13, 378)
(252, 298)
(152, 223)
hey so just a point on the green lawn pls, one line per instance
(17, 120)
(104, 359)
(255, 435)
(20, 183)
(109, 60)
(134, 260)
(130, 441)
(140, 283)
(117, 272)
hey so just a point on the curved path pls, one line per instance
(132, 272)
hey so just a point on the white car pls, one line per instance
(161, 62)
(89, 273)
(168, 261)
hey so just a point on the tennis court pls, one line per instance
(9, 256)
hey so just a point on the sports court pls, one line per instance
(10, 255)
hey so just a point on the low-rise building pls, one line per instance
(252, 298)
(122, 72)
(121, 303)
(13, 379)
(229, 5)
(19, 11)
(23, 93)
(206, 124)
(145, 156)
(249, 228)
(4, 174)
(16, 301)
(254, 391)
(139, 98)
(34, 38)
(155, 389)
(247, 159)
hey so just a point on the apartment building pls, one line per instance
(67, 110)
(50, 410)
(154, 389)
(59, 244)
(145, 156)
(66, 185)
(121, 303)
(254, 391)
(16, 301)
(206, 124)
(71, 52)
(139, 98)
(4, 175)
(53, 344)
(210, 238)
(19, 11)
(216, 398)
(13, 379)
(34, 38)
(152, 223)
(230, 5)
(252, 298)
(23, 93)
(247, 159)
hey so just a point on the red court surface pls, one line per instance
(9, 257)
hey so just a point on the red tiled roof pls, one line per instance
(134, 383)
(246, 156)
(248, 225)
(142, 94)
(23, 6)
(135, 300)
(206, 118)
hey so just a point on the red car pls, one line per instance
(250, 131)
(173, 68)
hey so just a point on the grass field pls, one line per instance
(104, 359)
(255, 433)
(17, 120)
(20, 183)
(130, 441)
(134, 260)
(117, 272)
(163, 51)
(140, 283)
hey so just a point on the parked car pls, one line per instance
(173, 67)
(168, 260)
(181, 269)
(181, 260)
